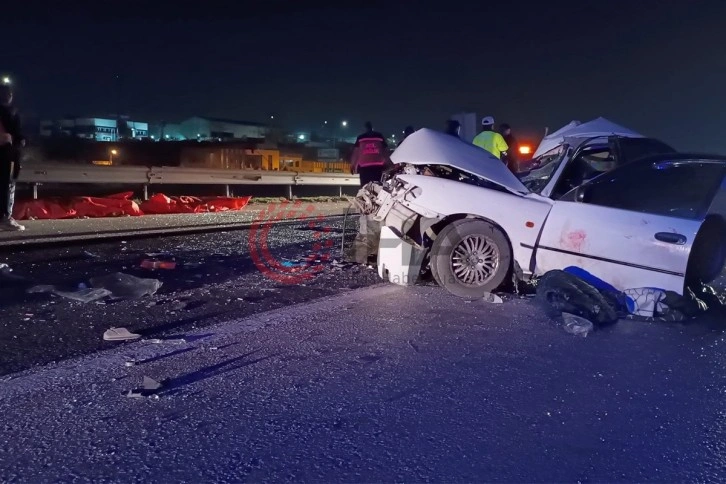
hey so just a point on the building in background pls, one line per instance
(97, 129)
(204, 128)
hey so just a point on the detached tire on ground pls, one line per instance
(470, 257)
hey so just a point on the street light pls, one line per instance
(6, 81)
(301, 137)
(345, 123)
(113, 153)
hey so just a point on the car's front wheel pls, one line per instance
(470, 257)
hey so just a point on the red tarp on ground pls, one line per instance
(121, 204)
(159, 204)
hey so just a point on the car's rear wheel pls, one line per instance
(708, 253)
(470, 257)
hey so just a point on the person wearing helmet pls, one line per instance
(490, 140)
(11, 142)
(453, 127)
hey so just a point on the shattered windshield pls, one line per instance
(545, 166)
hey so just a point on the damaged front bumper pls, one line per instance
(403, 244)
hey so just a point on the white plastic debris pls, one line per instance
(577, 325)
(173, 341)
(84, 295)
(119, 334)
(492, 298)
(127, 286)
(150, 384)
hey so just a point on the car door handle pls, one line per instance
(671, 238)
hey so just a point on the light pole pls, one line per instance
(6, 80)
(112, 154)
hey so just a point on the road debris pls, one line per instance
(492, 298)
(579, 293)
(577, 325)
(126, 286)
(173, 341)
(148, 388)
(84, 294)
(120, 334)
(158, 264)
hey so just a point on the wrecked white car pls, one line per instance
(625, 208)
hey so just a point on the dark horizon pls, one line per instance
(653, 66)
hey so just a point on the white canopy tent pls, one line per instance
(575, 129)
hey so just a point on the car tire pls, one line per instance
(708, 253)
(470, 257)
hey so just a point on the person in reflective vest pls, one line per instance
(370, 155)
(490, 140)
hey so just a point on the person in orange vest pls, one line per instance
(370, 155)
(490, 140)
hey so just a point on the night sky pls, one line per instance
(658, 67)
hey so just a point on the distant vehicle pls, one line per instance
(629, 210)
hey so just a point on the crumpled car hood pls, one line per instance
(429, 147)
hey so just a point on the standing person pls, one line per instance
(370, 158)
(511, 156)
(490, 140)
(406, 133)
(453, 127)
(370, 155)
(11, 142)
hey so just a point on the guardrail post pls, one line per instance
(340, 191)
(289, 192)
(146, 192)
(227, 191)
(35, 191)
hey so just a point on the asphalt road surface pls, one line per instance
(216, 279)
(380, 384)
(324, 374)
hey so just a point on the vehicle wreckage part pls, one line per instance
(398, 261)
(470, 257)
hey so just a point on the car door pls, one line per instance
(632, 227)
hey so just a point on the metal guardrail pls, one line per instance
(47, 173)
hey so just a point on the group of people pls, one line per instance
(501, 144)
(371, 152)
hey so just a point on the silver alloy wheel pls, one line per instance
(475, 260)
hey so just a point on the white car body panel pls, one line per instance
(617, 246)
(429, 147)
(590, 129)
(511, 212)
(398, 261)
